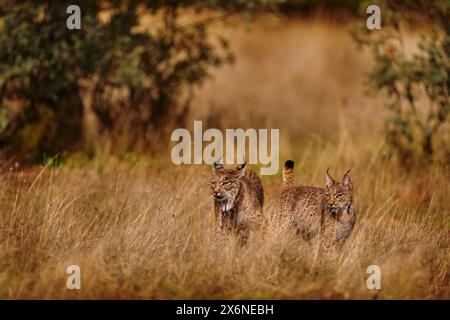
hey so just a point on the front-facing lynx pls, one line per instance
(238, 200)
(326, 214)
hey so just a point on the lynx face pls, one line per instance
(225, 185)
(339, 195)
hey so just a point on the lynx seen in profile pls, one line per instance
(326, 214)
(238, 200)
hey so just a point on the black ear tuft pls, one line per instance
(346, 180)
(217, 164)
(241, 166)
(289, 164)
(329, 180)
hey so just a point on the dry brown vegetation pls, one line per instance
(140, 228)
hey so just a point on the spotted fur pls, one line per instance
(288, 174)
(238, 201)
(326, 214)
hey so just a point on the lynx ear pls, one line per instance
(329, 180)
(346, 180)
(241, 168)
(217, 165)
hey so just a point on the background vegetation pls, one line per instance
(417, 85)
(133, 80)
(139, 226)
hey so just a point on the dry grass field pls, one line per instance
(140, 227)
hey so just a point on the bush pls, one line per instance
(52, 78)
(327, 7)
(418, 86)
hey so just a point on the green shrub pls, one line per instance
(51, 77)
(417, 86)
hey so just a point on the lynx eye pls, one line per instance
(338, 195)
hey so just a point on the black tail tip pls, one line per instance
(289, 164)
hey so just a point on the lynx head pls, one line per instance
(339, 195)
(226, 184)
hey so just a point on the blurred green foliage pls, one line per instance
(50, 76)
(330, 7)
(417, 85)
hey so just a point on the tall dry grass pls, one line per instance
(141, 228)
